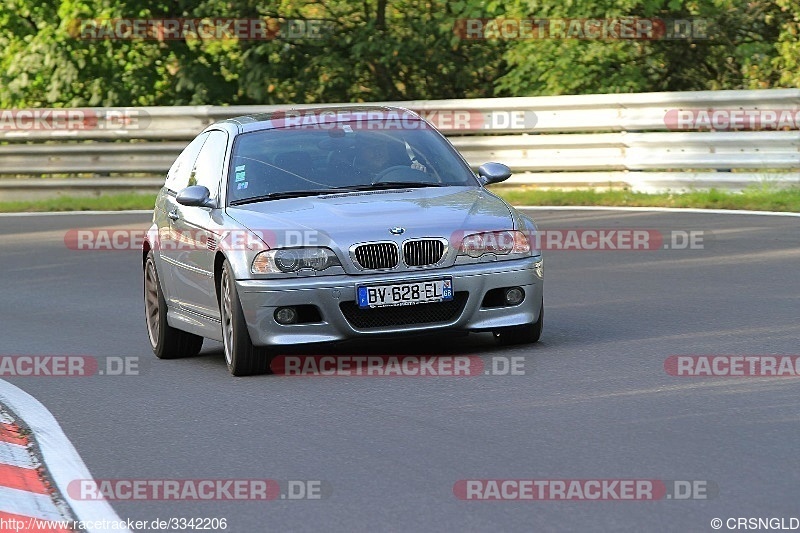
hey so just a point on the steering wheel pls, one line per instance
(402, 173)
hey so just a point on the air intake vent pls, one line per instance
(423, 252)
(405, 315)
(211, 243)
(378, 255)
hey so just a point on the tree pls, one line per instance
(373, 51)
(380, 50)
(740, 43)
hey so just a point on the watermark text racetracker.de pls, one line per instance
(759, 366)
(583, 489)
(397, 365)
(722, 119)
(198, 489)
(475, 241)
(622, 239)
(206, 29)
(68, 366)
(44, 120)
(614, 28)
(583, 239)
(340, 123)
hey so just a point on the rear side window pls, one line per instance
(181, 170)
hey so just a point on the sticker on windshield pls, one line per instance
(240, 173)
(242, 185)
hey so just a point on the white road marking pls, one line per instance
(64, 213)
(22, 502)
(676, 210)
(15, 455)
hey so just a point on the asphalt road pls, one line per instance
(595, 401)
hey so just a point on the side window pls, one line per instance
(207, 170)
(179, 173)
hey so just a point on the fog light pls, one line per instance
(514, 295)
(286, 315)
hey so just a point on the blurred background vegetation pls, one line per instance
(379, 50)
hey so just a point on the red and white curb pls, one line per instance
(24, 492)
(33, 451)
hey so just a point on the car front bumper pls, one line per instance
(260, 298)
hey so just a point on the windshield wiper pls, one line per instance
(318, 192)
(395, 185)
(289, 194)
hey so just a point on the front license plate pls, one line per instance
(394, 294)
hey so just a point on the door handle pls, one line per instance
(173, 215)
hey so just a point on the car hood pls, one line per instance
(348, 218)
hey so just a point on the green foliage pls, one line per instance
(111, 202)
(787, 61)
(753, 199)
(740, 52)
(378, 50)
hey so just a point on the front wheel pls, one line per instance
(242, 358)
(167, 342)
(525, 334)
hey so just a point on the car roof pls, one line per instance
(330, 114)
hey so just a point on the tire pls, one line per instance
(242, 358)
(525, 334)
(167, 342)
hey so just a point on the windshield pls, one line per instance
(348, 156)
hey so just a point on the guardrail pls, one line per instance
(648, 141)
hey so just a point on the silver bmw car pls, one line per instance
(319, 225)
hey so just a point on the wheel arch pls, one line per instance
(146, 248)
(219, 262)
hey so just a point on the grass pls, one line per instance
(756, 199)
(111, 202)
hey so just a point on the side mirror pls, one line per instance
(196, 196)
(493, 173)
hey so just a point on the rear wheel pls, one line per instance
(242, 358)
(525, 334)
(167, 342)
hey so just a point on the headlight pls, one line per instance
(495, 242)
(287, 260)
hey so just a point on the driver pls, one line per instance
(374, 155)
